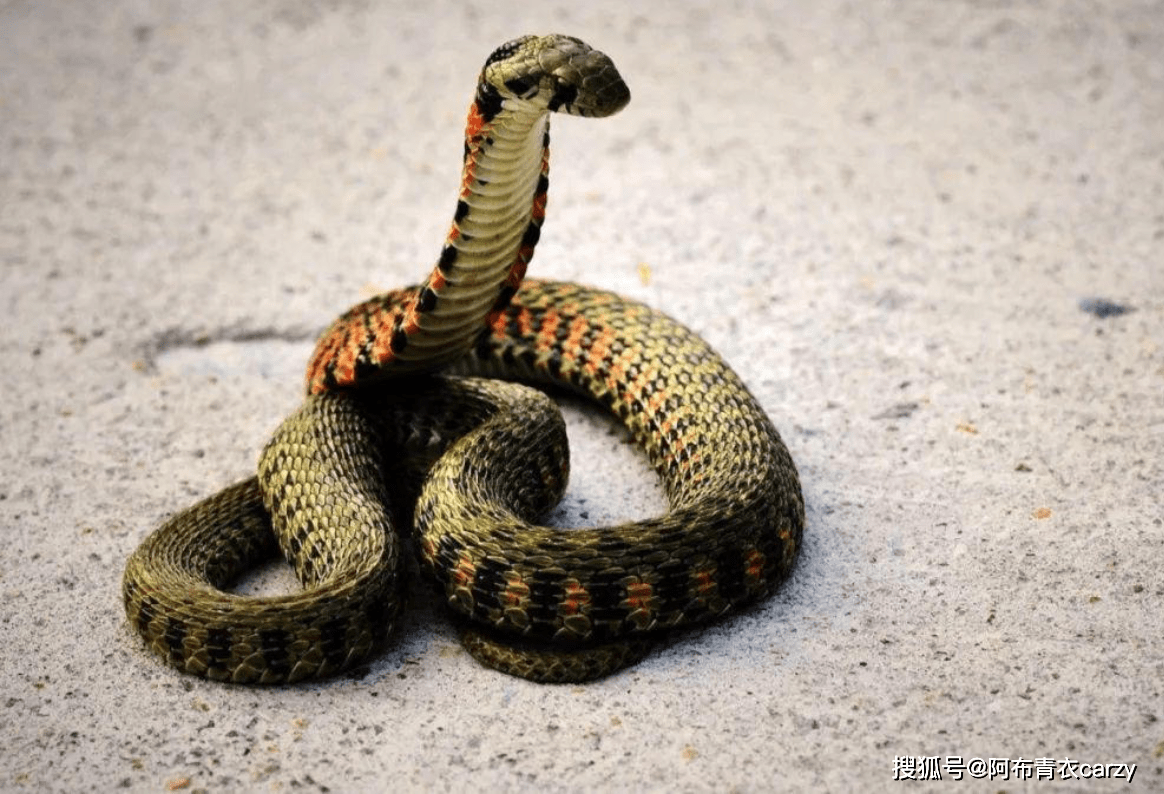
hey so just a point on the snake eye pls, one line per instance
(521, 87)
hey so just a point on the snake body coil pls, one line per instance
(471, 463)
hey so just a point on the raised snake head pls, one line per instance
(556, 72)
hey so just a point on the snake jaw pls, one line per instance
(558, 73)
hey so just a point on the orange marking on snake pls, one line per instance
(618, 369)
(655, 401)
(468, 178)
(576, 599)
(475, 122)
(474, 134)
(538, 211)
(499, 325)
(702, 581)
(524, 321)
(516, 592)
(578, 328)
(516, 272)
(679, 449)
(410, 322)
(325, 351)
(345, 359)
(437, 280)
(384, 322)
(599, 351)
(639, 595)
(754, 565)
(464, 573)
(548, 331)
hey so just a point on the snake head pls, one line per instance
(559, 73)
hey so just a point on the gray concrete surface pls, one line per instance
(886, 215)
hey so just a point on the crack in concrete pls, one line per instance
(176, 338)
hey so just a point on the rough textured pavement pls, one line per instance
(906, 224)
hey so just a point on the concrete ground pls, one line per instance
(910, 226)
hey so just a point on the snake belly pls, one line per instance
(382, 443)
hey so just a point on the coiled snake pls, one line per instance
(487, 457)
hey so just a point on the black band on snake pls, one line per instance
(395, 441)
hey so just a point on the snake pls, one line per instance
(424, 436)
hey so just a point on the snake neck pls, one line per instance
(500, 209)
(497, 223)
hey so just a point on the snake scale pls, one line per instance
(411, 421)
